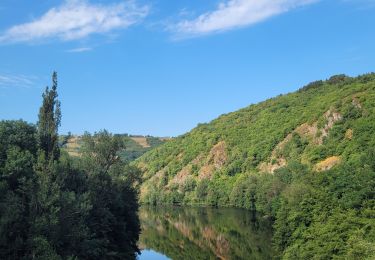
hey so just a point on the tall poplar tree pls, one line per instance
(49, 122)
(45, 203)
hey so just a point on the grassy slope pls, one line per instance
(266, 134)
(134, 146)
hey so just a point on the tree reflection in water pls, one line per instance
(205, 233)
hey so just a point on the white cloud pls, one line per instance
(236, 13)
(8, 80)
(83, 49)
(77, 19)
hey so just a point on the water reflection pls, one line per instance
(151, 255)
(204, 233)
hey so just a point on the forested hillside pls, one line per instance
(306, 160)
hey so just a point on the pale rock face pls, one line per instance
(328, 163)
(305, 130)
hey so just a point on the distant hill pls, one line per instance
(136, 145)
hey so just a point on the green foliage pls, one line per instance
(337, 79)
(202, 190)
(134, 150)
(312, 85)
(55, 207)
(49, 122)
(317, 214)
(112, 220)
(16, 134)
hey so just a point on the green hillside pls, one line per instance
(306, 160)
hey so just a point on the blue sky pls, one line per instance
(160, 67)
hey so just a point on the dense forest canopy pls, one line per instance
(53, 206)
(305, 160)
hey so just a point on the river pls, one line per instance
(203, 233)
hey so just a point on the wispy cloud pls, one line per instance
(21, 81)
(233, 14)
(77, 19)
(83, 49)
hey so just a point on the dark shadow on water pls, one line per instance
(205, 233)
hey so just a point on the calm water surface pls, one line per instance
(203, 233)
